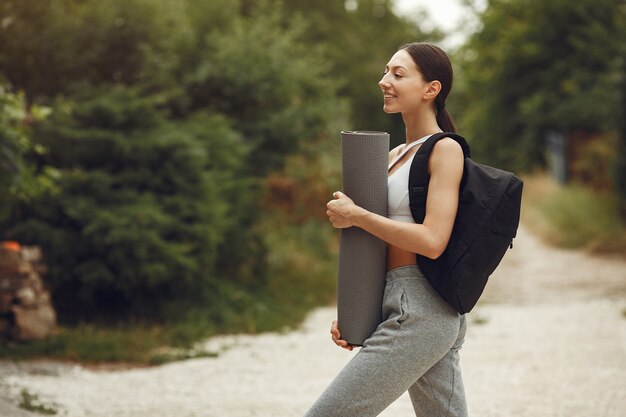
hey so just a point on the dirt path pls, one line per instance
(548, 340)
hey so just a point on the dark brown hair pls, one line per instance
(434, 64)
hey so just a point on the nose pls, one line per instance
(383, 83)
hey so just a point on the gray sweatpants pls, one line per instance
(415, 348)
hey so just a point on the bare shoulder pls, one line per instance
(447, 155)
(448, 145)
(447, 148)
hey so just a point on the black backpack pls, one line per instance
(484, 228)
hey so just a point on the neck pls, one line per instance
(419, 125)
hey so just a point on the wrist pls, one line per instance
(358, 216)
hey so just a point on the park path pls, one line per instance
(547, 340)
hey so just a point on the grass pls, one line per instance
(573, 216)
(31, 402)
(133, 345)
(149, 344)
(478, 319)
(301, 276)
(88, 343)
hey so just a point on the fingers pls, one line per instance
(334, 219)
(342, 344)
(335, 335)
(336, 196)
(337, 210)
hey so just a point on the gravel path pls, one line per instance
(547, 340)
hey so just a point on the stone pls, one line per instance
(34, 281)
(25, 268)
(33, 323)
(6, 301)
(41, 269)
(26, 311)
(26, 296)
(10, 260)
(31, 253)
(11, 282)
(44, 297)
(5, 326)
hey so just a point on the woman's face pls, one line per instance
(404, 89)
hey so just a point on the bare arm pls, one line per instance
(430, 238)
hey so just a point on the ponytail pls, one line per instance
(444, 120)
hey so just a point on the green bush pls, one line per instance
(139, 215)
(20, 180)
(168, 120)
(260, 74)
(11, 137)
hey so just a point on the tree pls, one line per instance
(359, 40)
(48, 46)
(262, 75)
(161, 163)
(537, 66)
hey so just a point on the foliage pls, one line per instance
(359, 41)
(275, 87)
(131, 343)
(182, 175)
(162, 132)
(594, 161)
(536, 66)
(19, 180)
(137, 220)
(620, 164)
(573, 216)
(32, 402)
(260, 74)
(80, 41)
(12, 141)
(302, 260)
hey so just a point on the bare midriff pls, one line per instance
(397, 257)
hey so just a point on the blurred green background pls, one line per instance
(173, 158)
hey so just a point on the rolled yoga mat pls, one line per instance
(362, 256)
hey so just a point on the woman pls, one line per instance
(416, 346)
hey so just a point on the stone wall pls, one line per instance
(26, 311)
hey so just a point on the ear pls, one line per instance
(433, 88)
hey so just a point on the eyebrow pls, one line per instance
(395, 66)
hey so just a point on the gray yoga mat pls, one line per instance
(362, 256)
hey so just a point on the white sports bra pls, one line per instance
(398, 187)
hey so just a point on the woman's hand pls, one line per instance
(340, 210)
(334, 331)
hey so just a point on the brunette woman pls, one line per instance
(416, 346)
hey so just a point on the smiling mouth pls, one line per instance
(386, 96)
